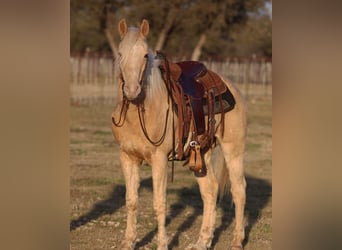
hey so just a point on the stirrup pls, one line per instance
(195, 161)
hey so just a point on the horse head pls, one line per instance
(133, 57)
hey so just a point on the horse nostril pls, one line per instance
(131, 90)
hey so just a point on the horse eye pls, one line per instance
(145, 56)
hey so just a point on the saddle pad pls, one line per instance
(191, 87)
(228, 103)
(191, 70)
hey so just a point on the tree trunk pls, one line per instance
(161, 40)
(198, 49)
(112, 42)
(166, 29)
(110, 30)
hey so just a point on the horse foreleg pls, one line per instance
(159, 175)
(209, 189)
(130, 168)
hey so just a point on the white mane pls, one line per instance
(155, 85)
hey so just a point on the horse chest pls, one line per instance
(131, 140)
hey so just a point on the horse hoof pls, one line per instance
(235, 247)
(197, 247)
(127, 245)
(162, 247)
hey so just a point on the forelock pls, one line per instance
(128, 42)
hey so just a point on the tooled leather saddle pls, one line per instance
(198, 94)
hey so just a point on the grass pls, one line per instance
(97, 188)
(88, 181)
(102, 132)
(253, 146)
(78, 151)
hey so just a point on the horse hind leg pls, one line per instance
(209, 190)
(130, 168)
(234, 158)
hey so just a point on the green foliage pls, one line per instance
(233, 27)
(85, 30)
(255, 37)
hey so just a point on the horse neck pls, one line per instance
(156, 95)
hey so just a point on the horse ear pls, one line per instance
(122, 28)
(144, 28)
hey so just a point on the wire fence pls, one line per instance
(93, 77)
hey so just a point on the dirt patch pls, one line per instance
(98, 217)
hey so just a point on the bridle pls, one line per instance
(142, 80)
(141, 109)
(125, 101)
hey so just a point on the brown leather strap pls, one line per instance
(169, 71)
(123, 112)
(211, 117)
(222, 115)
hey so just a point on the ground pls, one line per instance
(97, 188)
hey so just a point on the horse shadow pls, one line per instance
(258, 194)
(115, 201)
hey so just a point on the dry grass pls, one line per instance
(97, 188)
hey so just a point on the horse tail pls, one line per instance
(223, 182)
(221, 171)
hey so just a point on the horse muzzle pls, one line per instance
(131, 91)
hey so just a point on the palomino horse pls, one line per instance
(140, 82)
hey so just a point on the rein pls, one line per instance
(123, 112)
(141, 111)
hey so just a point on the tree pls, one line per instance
(253, 38)
(164, 16)
(85, 31)
(184, 28)
(168, 24)
(215, 20)
(109, 23)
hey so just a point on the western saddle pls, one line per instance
(198, 94)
